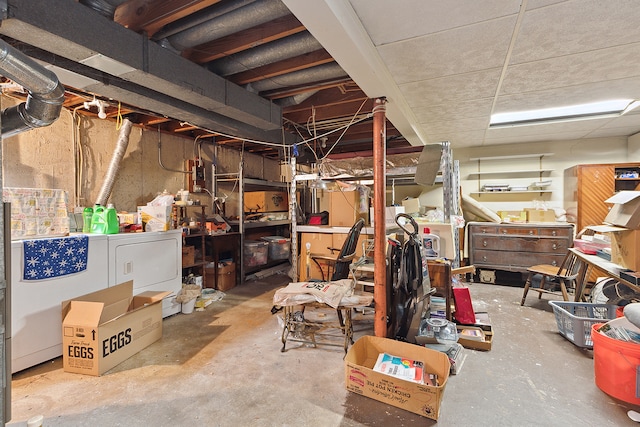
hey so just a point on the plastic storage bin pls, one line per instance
(575, 319)
(255, 253)
(279, 247)
(616, 364)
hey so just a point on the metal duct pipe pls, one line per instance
(239, 19)
(313, 74)
(116, 159)
(296, 99)
(288, 47)
(198, 18)
(105, 8)
(45, 92)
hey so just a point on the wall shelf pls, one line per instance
(539, 173)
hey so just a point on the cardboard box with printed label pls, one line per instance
(266, 201)
(625, 211)
(154, 218)
(422, 399)
(104, 328)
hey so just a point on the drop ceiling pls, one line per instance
(293, 70)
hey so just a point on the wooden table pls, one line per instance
(590, 262)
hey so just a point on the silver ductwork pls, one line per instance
(237, 20)
(308, 75)
(296, 99)
(288, 47)
(198, 18)
(116, 159)
(45, 93)
(106, 8)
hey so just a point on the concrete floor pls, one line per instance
(223, 367)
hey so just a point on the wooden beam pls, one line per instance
(279, 68)
(256, 36)
(152, 15)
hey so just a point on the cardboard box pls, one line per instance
(360, 378)
(513, 216)
(475, 344)
(226, 277)
(538, 215)
(626, 209)
(345, 208)
(625, 248)
(188, 255)
(390, 213)
(266, 201)
(104, 328)
(154, 218)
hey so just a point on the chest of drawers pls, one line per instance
(515, 247)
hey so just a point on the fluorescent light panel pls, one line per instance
(595, 110)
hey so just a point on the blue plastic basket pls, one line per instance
(575, 319)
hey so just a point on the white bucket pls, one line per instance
(187, 307)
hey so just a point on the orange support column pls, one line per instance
(379, 203)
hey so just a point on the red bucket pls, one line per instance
(617, 366)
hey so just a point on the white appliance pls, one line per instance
(36, 318)
(153, 260)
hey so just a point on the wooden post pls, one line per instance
(379, 203)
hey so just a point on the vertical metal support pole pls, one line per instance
(293, 205)
(379, 203)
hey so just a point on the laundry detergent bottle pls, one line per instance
(99, 220)
(113, 225)
(430, 244)
(87, 216)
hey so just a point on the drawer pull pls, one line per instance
(530, 232)
(484, 258)
(484, 243)
(554, 233)
(554, 263)
(554, 246)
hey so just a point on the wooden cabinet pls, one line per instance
(515, 247)
(586, 187)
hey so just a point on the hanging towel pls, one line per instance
(48, 258)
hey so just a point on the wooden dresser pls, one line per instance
(515, 247)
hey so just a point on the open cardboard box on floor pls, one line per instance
(104, 328)
(420, 399)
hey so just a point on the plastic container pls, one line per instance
(99, 220)
(87, 215)
(187, 307)
(430, 244)
(279, 247)
(575, 319)
(616, 364)
(113, 224)
(255, 253)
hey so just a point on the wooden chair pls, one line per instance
(565, 275)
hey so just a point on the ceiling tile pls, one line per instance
(571, 70)
(457, 88)
(579, 94)
(459, 139)
(457, 125)
(449, 110)
(576, 26)
(461, 50)
(389, 22)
